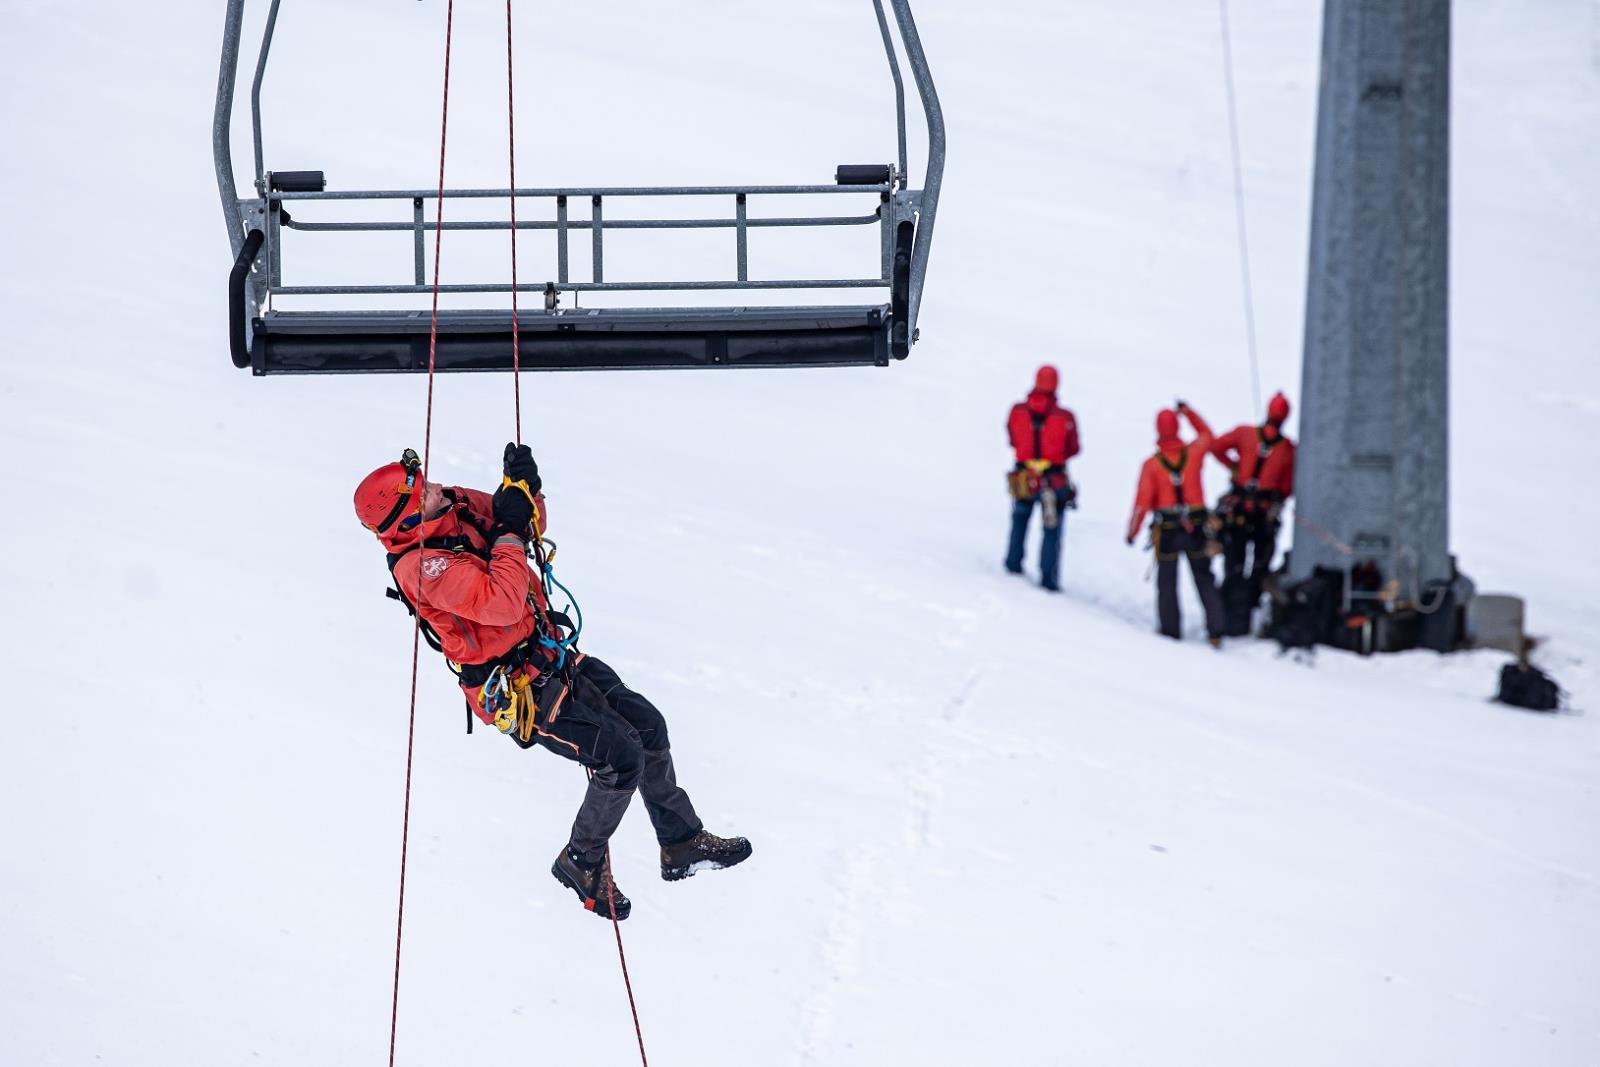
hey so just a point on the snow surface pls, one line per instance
(989, 825)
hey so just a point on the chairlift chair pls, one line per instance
(270, 340)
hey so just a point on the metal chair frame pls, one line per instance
(269, 340)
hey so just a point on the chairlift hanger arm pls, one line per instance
(934, 179)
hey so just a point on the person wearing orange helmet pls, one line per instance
(461, 561)
(1261, 461)
(1044, 435)
(1171, 490)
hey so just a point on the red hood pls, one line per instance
(1277, 408)
(1167, 431)
(1041, 401)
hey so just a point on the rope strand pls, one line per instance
(421, 493)
(427, 441)
(545, 571)
(511, 154)
(616, 928)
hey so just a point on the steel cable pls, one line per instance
(1238, 199)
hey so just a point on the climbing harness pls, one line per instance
(1180, 513)
(1190, 518)
(1245, 500)
(1264, 448)
(545, 650)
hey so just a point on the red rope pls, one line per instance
(427, 440)
(421, 493)
(516, 378)
(511, 152)
(616, 928)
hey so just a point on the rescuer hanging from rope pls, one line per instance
(1261, 461)
(1170, 487)
(461, 560)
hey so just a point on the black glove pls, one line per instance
(513, 511)
(520, 467)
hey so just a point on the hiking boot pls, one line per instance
(590, 885)
(702, 852)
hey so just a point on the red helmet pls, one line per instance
(1046, 379)
(1277, 408)
(383, 495)
(1166, 423)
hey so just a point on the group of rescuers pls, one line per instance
(1243, 526)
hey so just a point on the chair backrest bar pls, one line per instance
(597, 224)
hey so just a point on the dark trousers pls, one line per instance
(1174, 542)
(622, 738)
(1248, 534)
(1049, 548)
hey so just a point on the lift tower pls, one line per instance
(1372, 479)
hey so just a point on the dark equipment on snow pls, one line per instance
(1305, 613)
(1523, 685)
(1358, 611)
(369, 338)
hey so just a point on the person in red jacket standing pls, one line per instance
(1261, 461)
(1044, 436)
(1170, 489)
(460, 559)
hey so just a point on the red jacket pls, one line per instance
(1239, 449)
(1157, 491)
(480, 609)
(1042, 429)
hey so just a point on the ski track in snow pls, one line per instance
(927, 777)
(872, 880)
(857, 884)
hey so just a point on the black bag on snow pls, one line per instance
(1307, 613)
(1528, 687)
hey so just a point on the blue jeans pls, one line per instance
(1049, 549)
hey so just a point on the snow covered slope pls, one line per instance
(990, 825)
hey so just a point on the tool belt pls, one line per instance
(1246, 504)
(1187, 531)
(506, 684)
(517, 699)
(1030, 478)
(526, 653)
(1188, 518)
